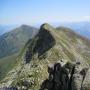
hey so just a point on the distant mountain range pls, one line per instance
(12, 41)
(6, 28)
(82, 28)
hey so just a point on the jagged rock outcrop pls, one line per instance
(66, 76)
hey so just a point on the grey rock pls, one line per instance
(66, 76)
(86, 82)
(77, 77)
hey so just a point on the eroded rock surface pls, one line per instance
(66, 76)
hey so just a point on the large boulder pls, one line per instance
(66, 76)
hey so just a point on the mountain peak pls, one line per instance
(43, 41)
(24, 26)
(46, 26)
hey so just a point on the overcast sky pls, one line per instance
(40, 11)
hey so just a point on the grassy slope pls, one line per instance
(11, 44)
(6, 64)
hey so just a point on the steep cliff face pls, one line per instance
(49, 46)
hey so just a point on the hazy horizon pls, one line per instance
(40, 11)
(14, 13)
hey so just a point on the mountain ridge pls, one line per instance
(48, 46)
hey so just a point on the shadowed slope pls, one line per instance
(43, 42)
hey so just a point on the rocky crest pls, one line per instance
(43, 41)
(66, 76)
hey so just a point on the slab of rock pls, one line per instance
(67, 76)
(77, 78)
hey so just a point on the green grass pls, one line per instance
(6, 64)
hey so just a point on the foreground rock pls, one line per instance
(11, 88)
(86, 82)
(67, 76)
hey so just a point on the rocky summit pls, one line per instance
(64, 53)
